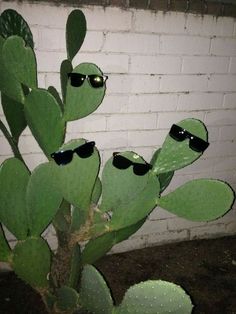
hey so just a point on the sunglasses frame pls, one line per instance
(136, 165)
(57, 156)
(195, 143)
(87, 77)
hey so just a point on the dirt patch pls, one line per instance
(206, 269)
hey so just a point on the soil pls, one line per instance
(206, 269)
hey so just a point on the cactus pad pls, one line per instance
(43, 198)
(44, 118)
(155, 296)
(31, 262)
(20, 60)
(75, 32)
(5, 250)
(199, 200)
(95, 296)
(83, 100)
(67, 300)
(66, 67)
(14, 177)
(175, 155)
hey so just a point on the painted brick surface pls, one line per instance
(162, 68)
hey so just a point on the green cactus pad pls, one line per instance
(20, 60)
(97, 191)
(164, 178)
(5, 250)
(199, 200)
(75, 32)
(44, 118)
(175, 155)
(67, 300)
(63, 216)
(98, 247)
(66, 67)
(43, 198)
(121, 186)
(76, 179)
(95, 295)
(8, 84)
(52, 90)
(75, 268)
(83, 100)
(12, 23)
(14, 113)
(155, 296)
(31, 262)
(14, 177)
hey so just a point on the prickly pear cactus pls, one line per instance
(89, 214)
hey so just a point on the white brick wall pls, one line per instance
(162, 68)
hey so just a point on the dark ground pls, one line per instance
(206, 269)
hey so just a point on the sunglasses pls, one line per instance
(195, 143)
(121, 162)
(64, 157)
(95, 80)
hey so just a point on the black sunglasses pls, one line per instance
(95, 80)
(195, 143)
(122, 162)
(65, 157)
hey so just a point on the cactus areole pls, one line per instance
(89, 213)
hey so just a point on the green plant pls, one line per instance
(83, 208)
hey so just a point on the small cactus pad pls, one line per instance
(5, 250)
(76, 179)
(31, 261)
(98, 247)
(20, 60)
(175, 155)
(199, 200)
(12, 23)
(97, 191)
(52, 90)
(66, 67)
(155, 296)
(8, 84)
(14, 177)
(67, 300)
(121, 186)
(95, 295)
(14, 113)
(43, 198)
(44, 118)
(75, 32)
(83, 100)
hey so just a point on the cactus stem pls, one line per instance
(12, 143)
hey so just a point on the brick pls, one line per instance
(222, 83)
(108, 63)
(202, 65)
(222, 164)
(51, 39)
(111, 19)
(49, 61)
(213, 134)
(146, 138)
(113, 104)
(230, 101)
(53, 79)
(167, 237)
(159, 22)
(227, 133)
(152, 102)
(207, 231)
(220, 118)
(175, 224)
(127, 245)
(28, 144)
(220, 149)
(232, 66)
(209, 25)
(166, 119)
(5, 147)
(41, 80)
(34, 159)
(223, 46)
(131, 122)
(119, 84)
(200, 101)
(183, 83)
(151, 226)
(131, 43)
(155, 65)
(92, 123)
(184, 45)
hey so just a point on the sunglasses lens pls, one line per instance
(97, 81)
(197, 144)
(77, 79)
(121, 162)
(85, 150)
(141, 169)
(177, 133)
(63, 158)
